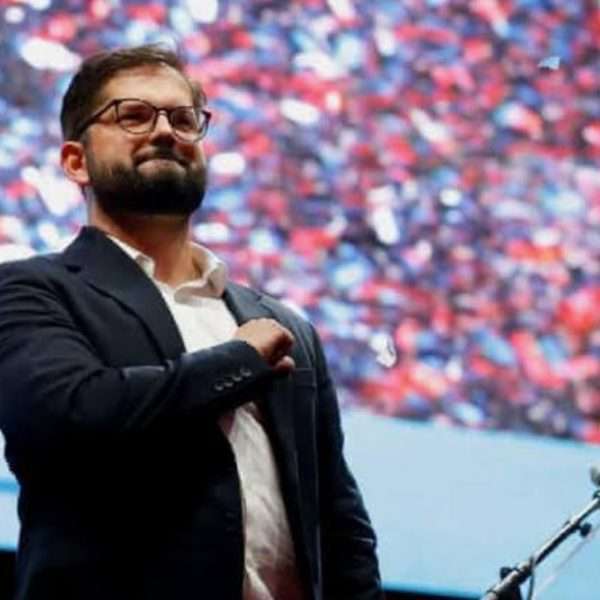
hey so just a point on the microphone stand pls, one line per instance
(511, 578)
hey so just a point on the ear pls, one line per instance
(73, 162)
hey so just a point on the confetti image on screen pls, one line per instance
(418, 178)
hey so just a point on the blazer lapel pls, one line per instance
(280, 410)
(245, 304)
(108, 269)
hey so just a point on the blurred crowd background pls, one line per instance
(418, 178)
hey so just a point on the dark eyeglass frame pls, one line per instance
(202, 115)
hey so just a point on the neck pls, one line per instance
(164, 238)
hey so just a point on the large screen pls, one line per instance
(419, 178)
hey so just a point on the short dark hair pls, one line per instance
(95, 71)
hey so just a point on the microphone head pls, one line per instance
(595, 475)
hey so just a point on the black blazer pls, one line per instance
(128, 488)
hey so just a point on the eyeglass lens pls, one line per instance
(137, 116)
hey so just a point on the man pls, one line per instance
(175, 436)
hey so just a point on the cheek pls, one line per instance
(193, 153)
(196, 158)
(119, 149)
(124, 156)
(105, 159)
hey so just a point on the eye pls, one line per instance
(132, 114)
(184, 119)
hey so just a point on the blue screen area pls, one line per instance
(453, 506)
(420, 180)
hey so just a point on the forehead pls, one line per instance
(159, 84)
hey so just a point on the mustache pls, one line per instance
(161, 153)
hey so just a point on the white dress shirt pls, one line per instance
(204, 320)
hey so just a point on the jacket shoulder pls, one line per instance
(35, 267)
(278, 307)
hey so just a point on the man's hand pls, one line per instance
(271, 340)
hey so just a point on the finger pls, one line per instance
(285, 365)
(287, 335)
(282, 347)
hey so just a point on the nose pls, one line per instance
(162, 127)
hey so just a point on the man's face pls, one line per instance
(151, 173)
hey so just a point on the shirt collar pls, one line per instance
(211, 282)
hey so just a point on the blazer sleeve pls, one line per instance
(55, 388)
(349, 560)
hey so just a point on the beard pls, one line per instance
(119, 189)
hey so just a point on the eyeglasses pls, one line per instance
(136, 116)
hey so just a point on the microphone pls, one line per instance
(595, 475)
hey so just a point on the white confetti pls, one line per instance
(550, 62)
(228, 163)
(343, 9)
(44, 54)
(206, 11)
(385, 349)
(300, 112)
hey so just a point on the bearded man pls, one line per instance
(175, 436)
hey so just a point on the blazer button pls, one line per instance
(228, 383)
(236, 377)
(245, 372)
(219, 387)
